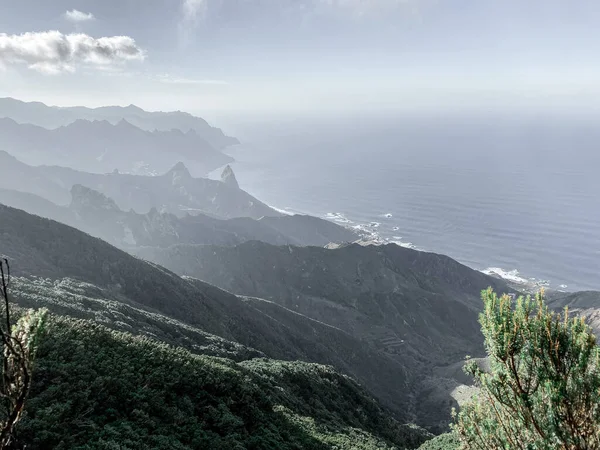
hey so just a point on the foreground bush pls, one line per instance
(19, 343)
(543, 388)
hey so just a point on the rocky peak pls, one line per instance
(179, 170)
(228, 177)
(84, 198)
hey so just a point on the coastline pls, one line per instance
(368, 235)
(381, 230)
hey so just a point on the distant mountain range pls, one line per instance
(98, 215)
(100, 146)
(175, 192)
(51, 117)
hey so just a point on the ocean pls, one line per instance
(517, 196)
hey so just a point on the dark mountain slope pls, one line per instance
(305, 228)
(586, 304)
(411, 306)
(37, 113)
(401, 300)
(101, 277)
(100, 146)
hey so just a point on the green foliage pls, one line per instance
(447, 441)
(96, 388)
(19, 343)
(543, 387)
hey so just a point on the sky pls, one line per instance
(302, 56)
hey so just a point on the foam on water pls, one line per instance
(287, 211)
(337, 217)
(398, 241)
(510, 275)
(515, 277)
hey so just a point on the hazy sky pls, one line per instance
(301, 55)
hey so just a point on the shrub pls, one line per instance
(542, 390)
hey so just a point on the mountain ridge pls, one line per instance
(98, 215)
(38, 113)
(175, 191)
(99, 146)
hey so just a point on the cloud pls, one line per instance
(78, 16)
(51, 52)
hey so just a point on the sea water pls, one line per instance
(517, 196)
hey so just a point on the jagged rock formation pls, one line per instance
(228, 177)
(176, 191)
(98, 215)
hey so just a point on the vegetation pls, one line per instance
(543, 387)
(19, 343)
(446, 441)
(97, 388)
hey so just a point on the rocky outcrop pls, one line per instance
(228, 177)
(179, 174)
(176, 191)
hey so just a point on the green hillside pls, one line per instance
(96, 388)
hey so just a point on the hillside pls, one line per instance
(176, 191)
(75, 274)
(100, 146)
(402, 300)
(94, 388)
(586, 304)
(408, 305)
(51, 117)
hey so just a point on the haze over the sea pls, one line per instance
(512, 193)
